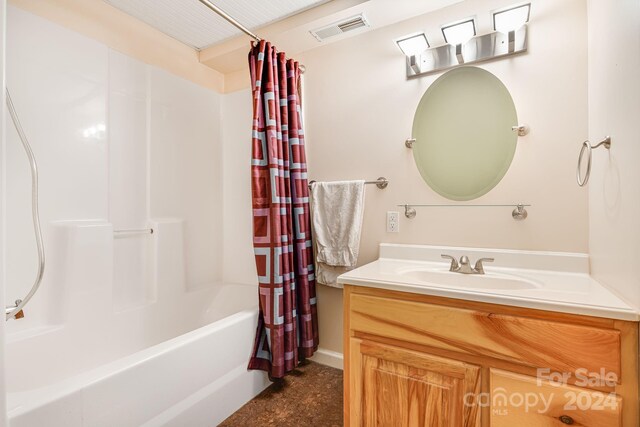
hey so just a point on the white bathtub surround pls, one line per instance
(540, 280)
(94, 357)
(98, 359)
(127, 329)
(236, 188)
(197, 378)
(117, 141)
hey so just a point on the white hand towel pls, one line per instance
(336, 210)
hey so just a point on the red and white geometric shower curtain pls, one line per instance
(287, 327)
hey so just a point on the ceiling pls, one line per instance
(286, 23)
(193, 24)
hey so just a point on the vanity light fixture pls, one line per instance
(459, 32)
(463, 46)
(511, 18)
(413, 44)
(508, 20)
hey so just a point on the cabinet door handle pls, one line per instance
(566, 419)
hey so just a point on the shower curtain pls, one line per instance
(287, 326)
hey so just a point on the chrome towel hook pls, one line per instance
(586, 146)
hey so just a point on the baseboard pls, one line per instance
(328, 358)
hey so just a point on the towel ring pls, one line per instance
(586, 146)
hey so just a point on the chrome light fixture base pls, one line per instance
(482, 48)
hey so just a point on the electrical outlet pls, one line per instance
(393, 222)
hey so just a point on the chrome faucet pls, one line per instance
(464, 267)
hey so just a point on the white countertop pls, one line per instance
(572, 291)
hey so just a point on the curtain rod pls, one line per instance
(238, 25)
(230, 19)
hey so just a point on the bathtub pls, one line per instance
(178, 364)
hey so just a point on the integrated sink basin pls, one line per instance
(552, 281)
(489, 280)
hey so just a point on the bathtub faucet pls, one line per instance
(8, 309)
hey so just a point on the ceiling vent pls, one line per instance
(340, 27)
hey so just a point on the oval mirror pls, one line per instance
(464, 142)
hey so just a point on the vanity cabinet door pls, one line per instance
(391, 386)
(523, 401)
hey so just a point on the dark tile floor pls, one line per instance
(310, 396)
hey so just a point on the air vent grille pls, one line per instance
(340, 27)
(352, 24)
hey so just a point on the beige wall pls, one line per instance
(106, 24)
(359, 109)
(614, 108)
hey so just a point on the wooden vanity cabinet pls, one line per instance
(403, 387)
(552, 404)
(417, 360)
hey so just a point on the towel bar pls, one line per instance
(136, 231)
(381, 182)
